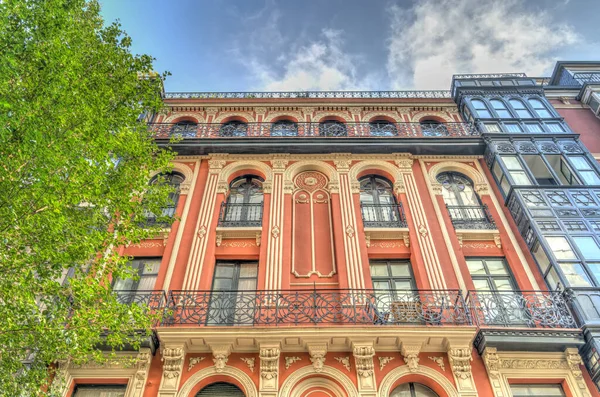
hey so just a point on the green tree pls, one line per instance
(75, 162)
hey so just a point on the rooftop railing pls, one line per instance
(317, 307)
(309, 94)
(312, 130)
(530, 309)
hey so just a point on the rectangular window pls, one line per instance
(492, 127)
(575, 274)
(100, 391)
(560, 248)
(516, 171)
(147, 272)
(585, 170)
(561, 169)
(540, 171)
(588, 247)
(394, 293)
(537, 390)
(555, 127)
(513, 127)
(490, 274)
(233, 293)
(534, 128)
(392, 275)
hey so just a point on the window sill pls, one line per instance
(230, 233)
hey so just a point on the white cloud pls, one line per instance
(438, 38)
(318, 64)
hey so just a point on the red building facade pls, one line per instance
(346, 244)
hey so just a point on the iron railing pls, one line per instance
(313, 130)
(309, 94)
(149, 298)
(241, 215)
(583, 78)
(383, 215)
(313, 307)
(470, 217)
(531, 309)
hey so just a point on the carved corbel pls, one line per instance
(436, 188)
(492, 362)
(343, 161)
(405, 165)
(411, 356)
(574, 361)
(365, 368)
(269, 368)
(280, 162)
(317, 354)
(399, 187)
(482, 189)
(460, 358)
(221, 354)
(172, 358)
(142, 365)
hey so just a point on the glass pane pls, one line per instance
(552, 279)
(496, 266)
(382, 285)
(590, 177)
(379, 270)
(588, 247)
(580, 163)
(510, 127)
(503, 284)
(476, 267)
(150, 266)
(534, 127)
(248, 284)
(512, 163)
(482, 285)
(484, 114)
(401, 391)
(539, 170)
(100, 391)
(223, 284)
(424, 391)
(146, 283)
(575, 274)
(402, 285)
(248, 270)
(224, 270)
(123, 285)
(400, 269)
(595, 269)
(520, 178)
(555, 127)
(541, 257)
(537, 390)
(560, 247)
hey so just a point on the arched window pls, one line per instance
(378, 204)
(540, 108)
(185, 128)
(480, 108)
(284, 128)
(500, 108)
(520, 108)
(173, 179)
(244, 203)
(464, 206)
(382, 128)
(221, 389)
(413, 390)
(433, 128)
(332, 128)
(234, 128)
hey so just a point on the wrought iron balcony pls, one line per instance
(241, 215)
(309, 94)
(315, 307)
(531, 309)
(471, 217)
(383, 215)
(149, 298)
(313, 130)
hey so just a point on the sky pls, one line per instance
(288, 45)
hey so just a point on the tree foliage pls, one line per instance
(74, 165)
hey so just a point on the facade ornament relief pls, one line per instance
(215, 166)
(405, 165)
(172, 357)
(269, 362)
(260, 110)
(423, 231)
(350, 231)
(363, 358)
(279, 164)
(492, 362)
(289, 360)
(211, 110)
(142, 364)
(342, 164)
(220, 355)
(193, 361)
(439, 361)
(497, 241)
(411, 356)
(383, 361)
(574, 361)
(460, 361)
(317, 355)
(249, 362)
(219, 239)
(202, 232)
(345, 361)
(275, 231)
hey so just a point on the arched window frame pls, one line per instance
(504, 108)
(228, 389)
(174, 179)
(233, 128)
(326, 128)
(543, 107)
(430, 127)
(376, 213)
(185, 128)
(479, 112)
(412, 389)
(519, 112)
(248, 211)
(284, 128)
(382, 127)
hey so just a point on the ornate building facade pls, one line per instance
(415, 243)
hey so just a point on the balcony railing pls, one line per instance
(309, 94)
(313, 130)
(383, 215)
(531, 309)
(471, 217)
(315, 307)
(241, 215)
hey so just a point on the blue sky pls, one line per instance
(245, 45)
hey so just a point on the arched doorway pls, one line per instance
(413, 390)
(220, 389)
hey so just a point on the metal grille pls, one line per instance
(470, 217)
(239, 215)
(308, 94)
(383, 215)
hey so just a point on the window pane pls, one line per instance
(247, 284)
(540, 171)
(496, 266)
(100, 391)
(503, 284)
(482, 285)
(379, 270)
(575, 274)
(402, 285)
(560, 168)
(223, 284)
(534, 127)
(595, 269)
(512, 163)
(555, 127)
(520, 178)
(381, 285)
(476, 267)
(588, 247)
(400, 269)
(492, 127)
(590, 177)
(537, 390)
(541, 257)
(552, 279)
(580, 163)
(511, 127)
(224, 270)
(248, 270)
(146, 283)
(560, 247)
(150, 266)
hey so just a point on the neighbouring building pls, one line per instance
(380, 244)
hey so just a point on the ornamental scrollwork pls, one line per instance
(269, 362)
(363, 357)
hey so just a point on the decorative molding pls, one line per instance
(289, 360)
(405, 165)
(473, 173)
(380, 165)
(244, 379)
(574, 361)
(305, 372)
(439, 361)
(478, 235)
(172, 358)
(236, 166)
(492, 362)
(317, 355)
(193, 361)
(383, 361)
(232, 233)
(197, 116)
(460, 361)
(345, 361)
(269, 362)
(363, 358)
(375, 233)
(284, 115)
(411, 356)
(321, 114)
(395, 376)
(312, 165)
(416, 117)
(367, 116)
(249, 362)
(223, 115)
(239, 244)
(221, 354)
